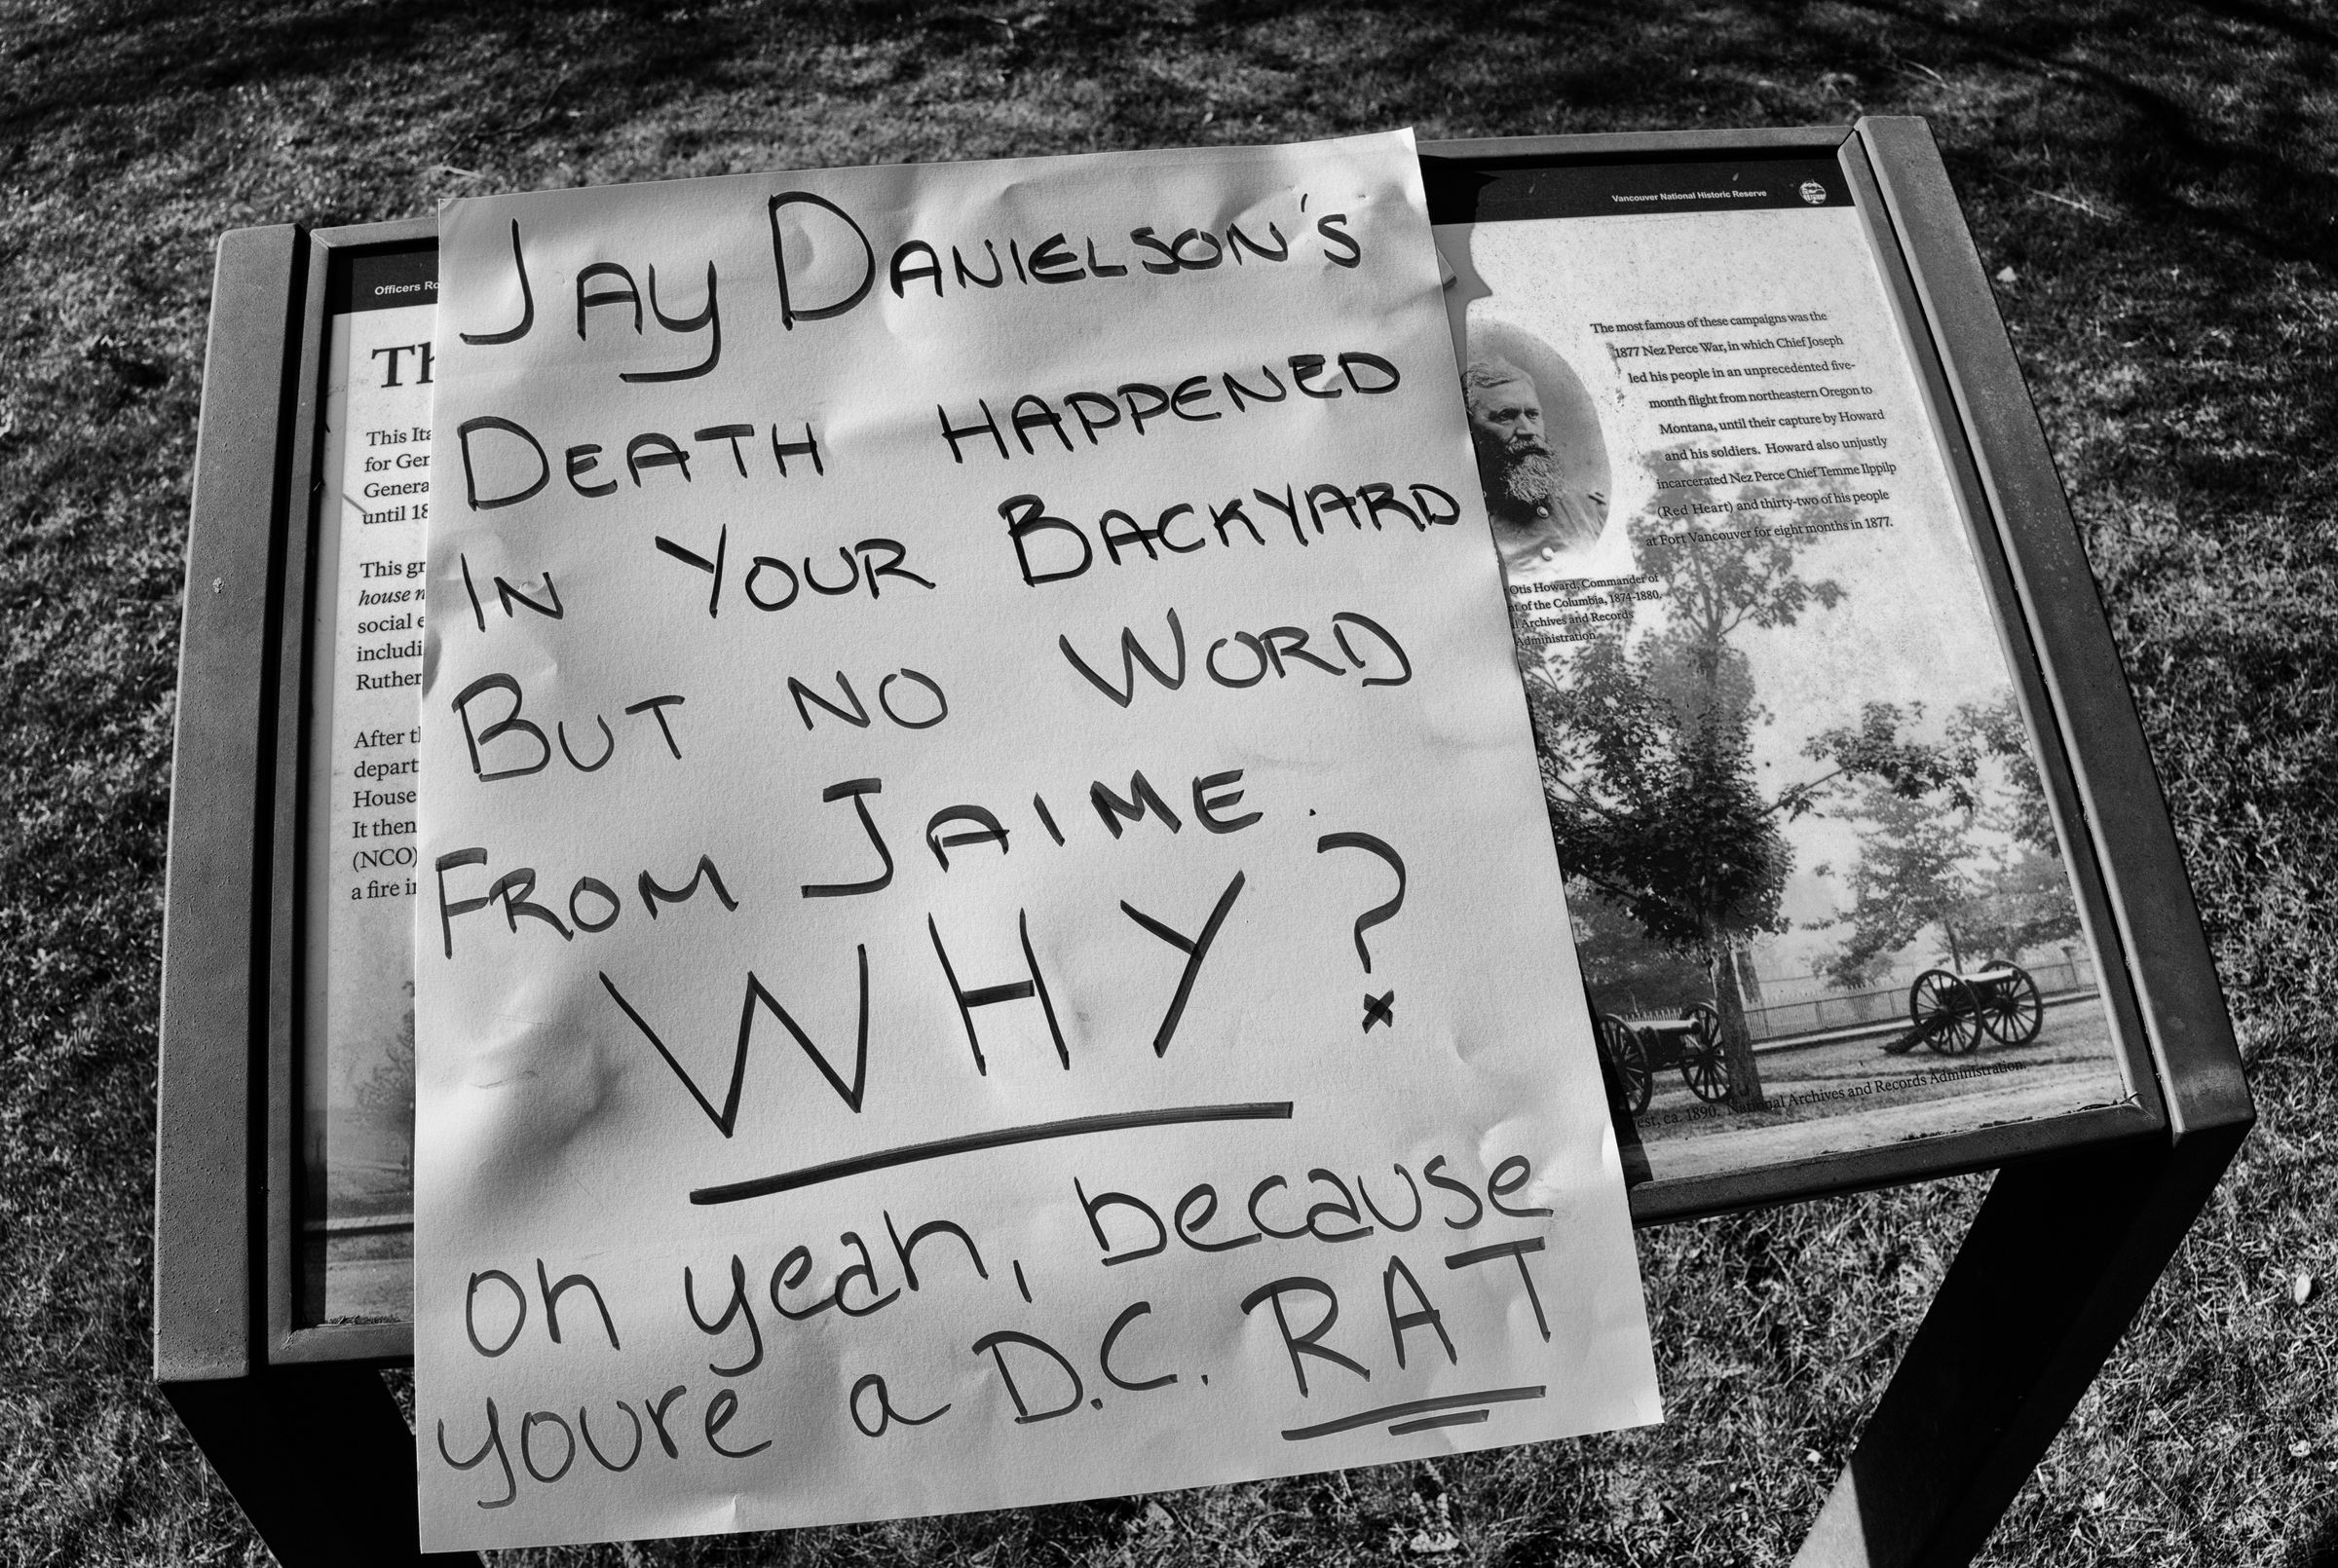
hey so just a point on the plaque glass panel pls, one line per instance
(366, 616)
(1819, 885)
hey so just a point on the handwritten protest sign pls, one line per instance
(990, 935)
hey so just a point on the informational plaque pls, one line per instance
(1817, 884)
(987, 930)
(366, 624)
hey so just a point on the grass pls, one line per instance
(2152, 184)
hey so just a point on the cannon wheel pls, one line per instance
(1946, 1010)
(1704, 1066)
(1630, 1059)
(2009, 1009)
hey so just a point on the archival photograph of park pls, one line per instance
(1819, 894)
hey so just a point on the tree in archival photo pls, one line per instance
(1970, 866)
(1684, 805)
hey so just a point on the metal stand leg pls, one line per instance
(2056, 1264)
(319, 1461)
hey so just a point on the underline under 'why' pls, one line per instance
(968, 1143)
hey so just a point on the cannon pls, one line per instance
(1692, 1043)
(1950, 1011)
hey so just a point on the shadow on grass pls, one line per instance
(627, 55)
(2163, 160)
(2321, 1550)
(2250, 174)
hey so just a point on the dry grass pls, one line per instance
(2158, 179)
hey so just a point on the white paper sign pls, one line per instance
(989, 935)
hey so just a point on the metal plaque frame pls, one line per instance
(2082, 1215)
